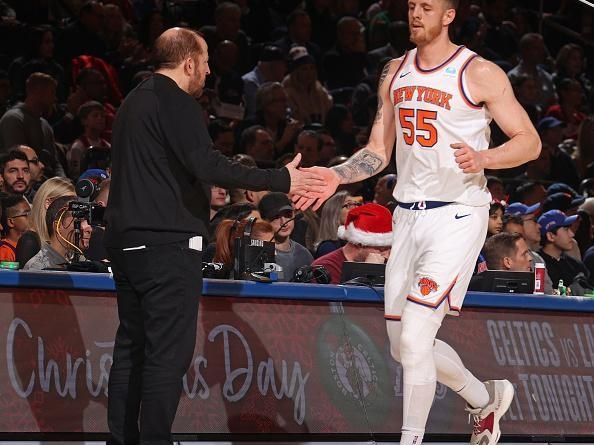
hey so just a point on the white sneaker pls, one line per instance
(486, 420)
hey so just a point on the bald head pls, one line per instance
(176, 45)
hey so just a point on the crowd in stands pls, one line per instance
(287, 77)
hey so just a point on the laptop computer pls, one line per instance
(363, 273)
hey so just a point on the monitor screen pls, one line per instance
(365, 273)
(503, 281)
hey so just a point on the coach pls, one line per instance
(163, 165)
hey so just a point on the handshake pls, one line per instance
(311, 186)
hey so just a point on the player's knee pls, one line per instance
(415, 349)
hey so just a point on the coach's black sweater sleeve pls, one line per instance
(189, 140)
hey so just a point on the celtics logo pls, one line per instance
(354, 372)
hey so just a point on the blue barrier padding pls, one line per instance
(293, 291)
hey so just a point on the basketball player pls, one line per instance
(436, 103)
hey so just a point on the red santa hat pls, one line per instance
(368, 225)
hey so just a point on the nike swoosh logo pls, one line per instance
(404, 74)
(461, 216)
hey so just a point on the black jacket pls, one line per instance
(162, 166)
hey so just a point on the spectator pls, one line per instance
(556, 241)
(35, 165)
(345, 64)
(222, 136)
(512, 224)
(15, 222)
(39, 58)
(570, 106)
(551, 133)
(91, 85)
(368, 233)
(271, 112)
(339, 122)
(256, 142)
(84, 35)
(49, 191)
(271, 67)
(58, 252)
(532, 55)
(507, 251)
(323, 23)
(92, 116)
(226, 234)
(30, 242)
(309, 144)
(226, 82)
(16, 176)
(398, 44)
(308, 99)
(242, 196)
(383, 191)
(218, 199)
(531, 233)
(299, 34)
(328, 151)
(36, 170)
(113, 27)
(527, 92)
(277, 209)
(564, 202)
(472, 34)
(530, 193)
(227, 27)
(570, 64)
(495, 218)
(24, 124)
(334, 213)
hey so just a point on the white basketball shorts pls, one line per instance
(433, 256)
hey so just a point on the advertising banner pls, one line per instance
(289, 366)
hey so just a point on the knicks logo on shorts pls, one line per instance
(427, 285)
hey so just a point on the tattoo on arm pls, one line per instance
(360, 166)
(380, 102)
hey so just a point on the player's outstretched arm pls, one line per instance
(488, 84)
(372, 158)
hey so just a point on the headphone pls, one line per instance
(307, 273)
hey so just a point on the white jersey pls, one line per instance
(433, 109)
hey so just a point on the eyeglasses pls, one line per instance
(33, 161)
(351, 205)
(21, 214)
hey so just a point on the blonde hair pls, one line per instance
(50, 190)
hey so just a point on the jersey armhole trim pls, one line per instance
(463, 92)
(396, 74)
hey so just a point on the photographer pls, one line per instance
(60, 249)
(228, 231)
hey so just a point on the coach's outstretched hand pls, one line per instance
(317, 198)
(304, 182)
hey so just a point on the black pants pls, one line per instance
(157, 289)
